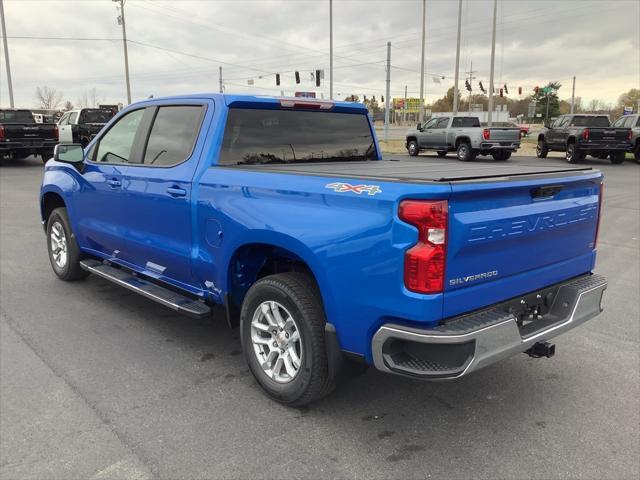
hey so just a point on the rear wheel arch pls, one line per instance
(541, 138)
(460, 140)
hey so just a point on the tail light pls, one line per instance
(424, 263)
(56, 132)
(585, 134)
(630, 135)
(601, 193)
(1, 132)
(486, 134)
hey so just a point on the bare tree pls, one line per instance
(67, 106)
(89, 98)
(48, 98)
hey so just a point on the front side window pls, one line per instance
(173, 135)
(442, 123)
(73, 117)
(620, 122)
(431, 123)
(117, 144)
(64, 120)
(293, 136)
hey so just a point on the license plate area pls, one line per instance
(533, 310)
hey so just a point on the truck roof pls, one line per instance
(265, 101)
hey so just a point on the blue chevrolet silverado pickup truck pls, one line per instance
(327, 256)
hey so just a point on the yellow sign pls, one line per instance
(413, 104)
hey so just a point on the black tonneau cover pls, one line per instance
(422, 170)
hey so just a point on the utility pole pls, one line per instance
(493, 59)
(546, 115)
(470, 78)
(121, 21)
(424, 26)
(387, 92)
(456, 92)
(6, 54)
(404, 106)
(330, 49)
(573, 94)
(220, 78)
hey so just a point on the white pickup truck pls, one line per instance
(463, 135)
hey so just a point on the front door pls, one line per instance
(65, 134)
(101, 208)
(425, 136)
(158, 191)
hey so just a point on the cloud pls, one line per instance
(177, 46)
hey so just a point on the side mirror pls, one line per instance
(72, 153)
(419, 126)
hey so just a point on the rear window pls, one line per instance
(465, 122)
(255, 136)
(16, 116)
(590, 122)
(95, 116)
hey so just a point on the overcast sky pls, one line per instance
(177, 46)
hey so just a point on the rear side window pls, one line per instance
(466, 122)
(442, 123)
(173, 135)
(258, 136)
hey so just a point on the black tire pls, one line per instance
(636, 152)
(601, 155)
(617, 157)
(541, 149)
(465, 153)
(501, 156)
(441, 153)
(573, 153)
(412, 148)
(46, 156)
(298, 294)
(71, 269)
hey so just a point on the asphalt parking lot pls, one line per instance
(96, 382)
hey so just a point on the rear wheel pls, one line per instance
(636, 152)
(617, 157)
(64, 253)
(283, 338)
(465, 153)
(441, 153)
(573, 154)
(413, 149)
(541, 149)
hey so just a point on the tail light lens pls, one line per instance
(56, 132)
(1, 132)
(630, 135)
(424, 263)
(486, 134)
(585, 134)
(595, 241)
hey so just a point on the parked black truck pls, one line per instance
(21, 136)
(581, 135)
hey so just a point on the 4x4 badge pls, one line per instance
(347, 187)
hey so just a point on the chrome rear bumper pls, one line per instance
(470, 342)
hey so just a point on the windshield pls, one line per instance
(285, 136)
(590, 122)
(16, 116)
(95, 116)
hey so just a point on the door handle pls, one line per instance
(177, 192)
(113, 183)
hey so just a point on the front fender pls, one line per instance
(60, 179)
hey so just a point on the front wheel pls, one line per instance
(541, 149)
(617, 157)
(413, 149)
(282, 326)
(64, 253)
(465, 153)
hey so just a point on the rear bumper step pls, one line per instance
(469, 342)
(176, 301)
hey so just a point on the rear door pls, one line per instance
(158, 191)
(510, 237)
(65, 128)
(439, 135)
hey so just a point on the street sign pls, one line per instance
(627, 111)
(412, 105)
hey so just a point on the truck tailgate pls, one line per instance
(608, 135)
(516, 236)
(504, 134)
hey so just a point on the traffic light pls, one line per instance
(297, 77)
(365, 98)
(373, 99)
(501, 93)
(467, 85)
(506, 90)
(382, 99)
(482, 88)
(277, 79)
(317, 78)
(519, 90)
